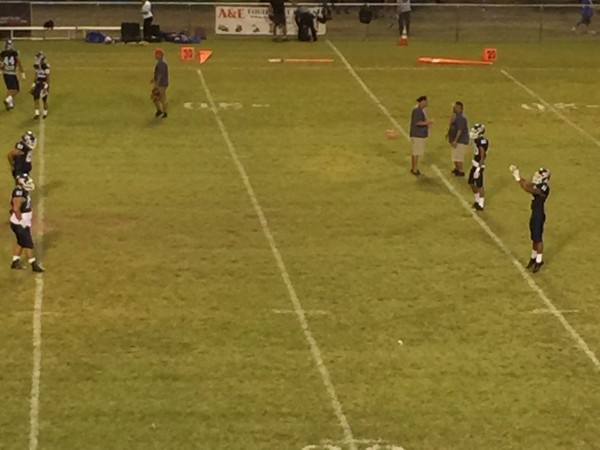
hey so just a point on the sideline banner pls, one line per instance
(249, 20)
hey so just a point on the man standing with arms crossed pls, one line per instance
(419, 131)
(160, 83)
(458, 137)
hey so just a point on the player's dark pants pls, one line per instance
(147, 25)
(536, 227)
(404, 22)
(12, 82)
(39, 90)
(478, 182)
(23, 235)
(306, 23)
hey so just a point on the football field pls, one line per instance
(261, 271)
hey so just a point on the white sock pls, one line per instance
(477, 197)
(481, 201)
(31, 260)
(538, 258)
(9, 99)
(16, 258)
(45, 112)
(533, 254)
(37, 112)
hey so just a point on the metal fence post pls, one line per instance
(457, 31)
(541, 37)
(97, 14)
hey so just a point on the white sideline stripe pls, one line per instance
(314, 347)
(310, 312)
(532, 284)
(551, 107)
(36, 372)
(547, 311)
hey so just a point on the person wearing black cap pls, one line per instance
(419, 131)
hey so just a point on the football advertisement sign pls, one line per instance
(254, 20)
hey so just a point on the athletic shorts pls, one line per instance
(536, 227)
(458, 152)
(23, 235)
(39, 90)
(12, 82)
(478, 182)
(278, 19)
(418, 146)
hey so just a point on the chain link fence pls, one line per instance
(465, 22)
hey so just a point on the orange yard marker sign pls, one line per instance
(489, 54)
(203, 55)
(186, 53)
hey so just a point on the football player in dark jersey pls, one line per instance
(10, 63)
(20, 157)
(20, 223)
(41, 85)
(480, 144)
(539, 187)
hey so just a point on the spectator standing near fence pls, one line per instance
(160, 83)
(587, 11)
(404, 16)
(419, 131)
(279, 19)
(148, 18)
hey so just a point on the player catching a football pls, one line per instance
(539, 187)
(480, 144)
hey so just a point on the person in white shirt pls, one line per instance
(404, 16)
(148, 17)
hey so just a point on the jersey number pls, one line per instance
(9, 62)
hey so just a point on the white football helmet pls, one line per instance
(25, 181)
(8, 45)
(29, 140)
(477, 131)
(541, 176)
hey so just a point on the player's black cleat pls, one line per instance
(36, 117)
(16, 264)
(416, 173)
(531, 263)
(158, 114)
(35, 267)
(478, 207)
(474, 205)
(163, 115)
(537, 266)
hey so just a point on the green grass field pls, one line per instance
(167, 322)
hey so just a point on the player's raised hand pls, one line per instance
(515, 172)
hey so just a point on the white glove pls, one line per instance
(23, 75)
(476, 173)
(515, 172)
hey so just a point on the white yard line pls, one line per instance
(36, 372)
(532, 284)
(551, 108)
(299, 310)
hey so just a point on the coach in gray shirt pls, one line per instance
(458, 137)
(419, 131)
